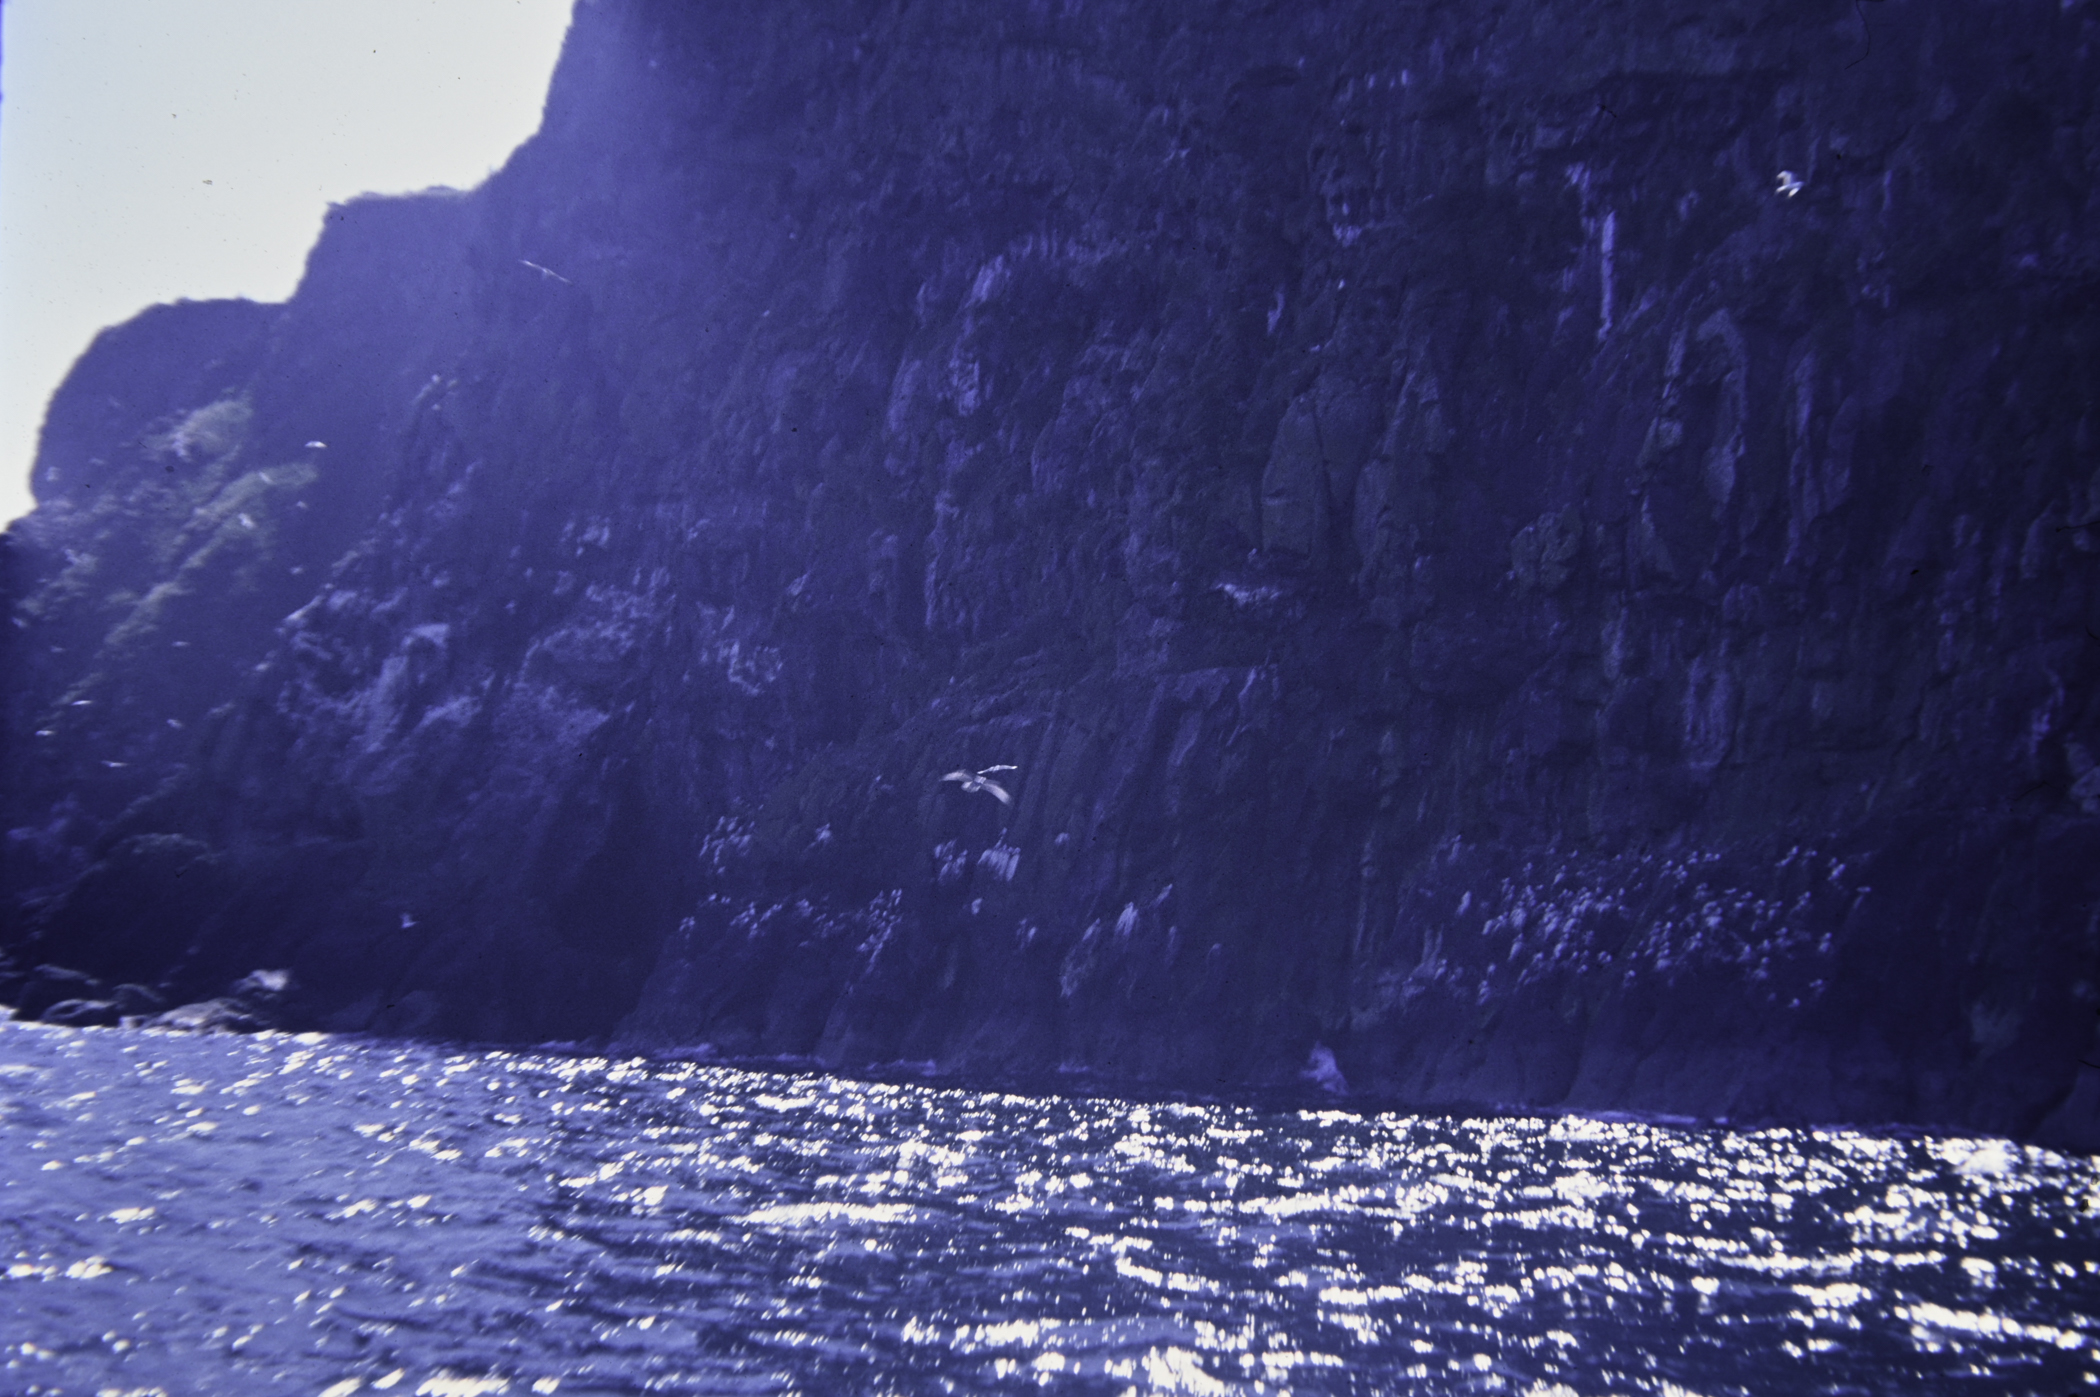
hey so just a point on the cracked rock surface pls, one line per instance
(1493, 598)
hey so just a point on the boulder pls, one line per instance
(135, 1000)
(262, 987)
(49, 985)
(210, 1016)
(83, 1013)
(250, 1004)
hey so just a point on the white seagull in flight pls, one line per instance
(982, 781)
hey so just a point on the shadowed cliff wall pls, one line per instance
(1473, 576)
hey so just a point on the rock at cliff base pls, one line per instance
(83, 1013)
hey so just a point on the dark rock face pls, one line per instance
(1487, 594)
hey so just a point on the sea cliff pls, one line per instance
(1526, 555)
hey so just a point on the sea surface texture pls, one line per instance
(319, 1215)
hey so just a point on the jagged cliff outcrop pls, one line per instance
(1482, 575)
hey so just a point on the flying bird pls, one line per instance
(982, 781)
(547, 271)
(1788, 185)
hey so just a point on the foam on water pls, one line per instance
(309, 1215)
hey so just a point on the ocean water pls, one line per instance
(325, 1216)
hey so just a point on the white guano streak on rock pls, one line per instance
(1607, 239)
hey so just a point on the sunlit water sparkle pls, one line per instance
(329, 1216)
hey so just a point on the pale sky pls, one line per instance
(153, 150)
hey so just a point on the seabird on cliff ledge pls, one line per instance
(981, 781)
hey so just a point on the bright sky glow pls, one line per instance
(152, 150)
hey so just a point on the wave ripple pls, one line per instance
(315, 1215)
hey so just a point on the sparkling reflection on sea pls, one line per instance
(314, 1215)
